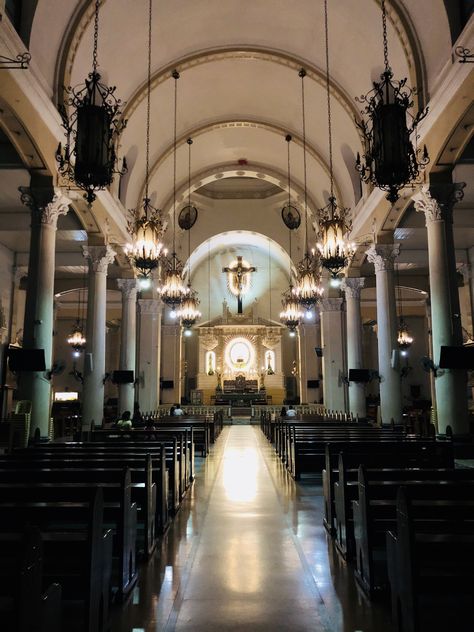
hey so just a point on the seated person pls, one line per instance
(137, 419)
(283, 411)
(177, 410)
(125, 422)
(291, 412)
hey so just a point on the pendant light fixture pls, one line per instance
(291, 313)
(89, 158)
(404, 338)
(76, 339)
(173, 291)
(392, 160)
(146, 222)
(334, 225)
(307, 290)
(188, 311)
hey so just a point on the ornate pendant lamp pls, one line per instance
(76, 339)
(188, 311)
(404, 338)
(392, 160)
(146, 222)
(173, 291)
(89, 158)
(307, 290)
(291, 313)
(334, 225)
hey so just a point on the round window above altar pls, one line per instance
(240, 354)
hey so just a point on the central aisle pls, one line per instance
(247, 570)
(247, 551)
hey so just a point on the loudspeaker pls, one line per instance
(395, 361)
(88, 363)
(319, 351)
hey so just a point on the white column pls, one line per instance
(334, 357)
(150, 311)
(128, 346)
(429, 329)
(35, 386)
(450, 384)
(383, 257)
(352, 287)
(94, 360)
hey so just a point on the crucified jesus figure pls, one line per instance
(238, 279)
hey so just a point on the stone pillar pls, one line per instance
(451, 398)
(383, 257)
(46, 206)
(150, 312)
(352, 288)
(334, 357)
(429, 329)
(128, 346)
(94, 360)
(470, 267)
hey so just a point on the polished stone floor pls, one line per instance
(247, 551)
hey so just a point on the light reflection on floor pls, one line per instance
(240, 474)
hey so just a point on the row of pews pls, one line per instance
(76, 517)
(399, 512)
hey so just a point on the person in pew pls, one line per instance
(283, 411)
(125, 421)
(137, 419)
(172, 409)
(291, 412)
(177, 410)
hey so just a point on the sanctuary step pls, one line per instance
(241, 411)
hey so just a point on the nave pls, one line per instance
(248, 551)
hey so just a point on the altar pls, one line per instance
(240, 360)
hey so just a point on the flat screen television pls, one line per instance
(167, 384)
(456, 358)
(26, 359)
(359, 375)
(123, 377)
(312, 384)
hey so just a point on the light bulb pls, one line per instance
(173, 314)
(76, 354)
(292, 334)
(144, 283)
(308, 315)
(335, 282)
(188, 332)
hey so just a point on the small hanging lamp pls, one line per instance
(307, 290)
(334, 225)
(89, 159)
(173, 291)
(392, 159)
(188, 311)
(146, 222)
(404, 338)
(76, 339)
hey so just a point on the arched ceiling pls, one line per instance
(239, 91)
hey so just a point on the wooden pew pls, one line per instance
(431, 560)
(120, 515)
(77, 554)
(425, 454)
(375, 513)
(23, 604)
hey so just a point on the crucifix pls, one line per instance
(238, 279)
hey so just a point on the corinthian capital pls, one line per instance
(353, 286)
(383, 256)
(45, 211)
(331, 305)
(128, 288)
(437, 201)
(99, 256)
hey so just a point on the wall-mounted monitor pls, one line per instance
(123, 377)
(359, 375)
(312, 384)
(456, 358)
(167, 384)
(26, 359)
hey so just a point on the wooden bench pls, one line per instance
(427, 454)
(375, 513)
(77, 554)
(23, 604)
(431, 560)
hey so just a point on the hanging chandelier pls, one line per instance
(405, 339)
(173, 291)
(392, 160)
(334, 225)
(76, 339)
(291, 313)
(89, 158)
(188, 311)
(145, 224)
(307, 290)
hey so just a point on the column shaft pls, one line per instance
(149, 354)
(334, 361)
(128, 341)
(352, 287)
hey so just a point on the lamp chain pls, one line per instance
(385, 38)
(326, 31)
(148, 100)
(175, 77)
(302, 74)
(96, 35)
(288, 140)
(190, 142)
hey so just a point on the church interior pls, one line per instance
(236, 315)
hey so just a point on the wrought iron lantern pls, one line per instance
(146, 223)
(405, 339)
(76, 339)
(188, 311)
(89, 157)
(392, 159)
(291, 313)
